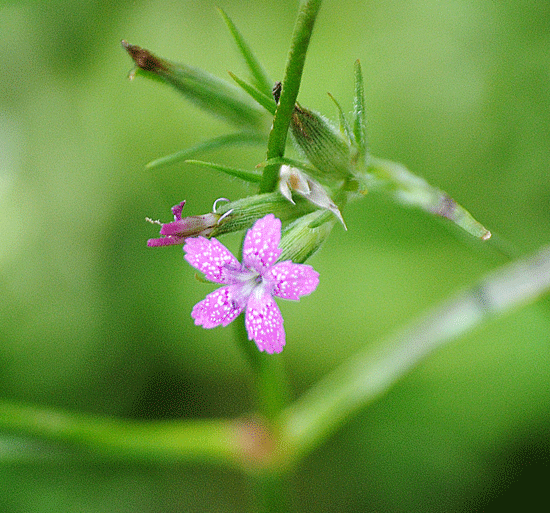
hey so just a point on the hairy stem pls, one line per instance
(291, 85)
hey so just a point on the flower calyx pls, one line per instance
(177, 231)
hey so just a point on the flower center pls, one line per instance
(244, 282)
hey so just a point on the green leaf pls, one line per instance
(267, 102)
(359, 114)
(208, 92)
(344, 125)
(260, 77)
(231, 171)
(211, 144)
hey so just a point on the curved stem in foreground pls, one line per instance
(365, 377)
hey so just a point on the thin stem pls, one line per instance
(369, 374)
(291, 85)
(271, 383)
(305, 424)
(220, 442)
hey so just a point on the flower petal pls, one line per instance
(165, 241)
(210, 257)
(264, 323)
(290, 280)
(260, 248)
(216, 308)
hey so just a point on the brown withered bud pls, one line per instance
(143, 58)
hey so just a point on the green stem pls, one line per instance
(267, 452)
(307, 423)
(271, 383)
(220, 442)
(291, 85)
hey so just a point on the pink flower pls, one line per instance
(179, 229)
(251, 285)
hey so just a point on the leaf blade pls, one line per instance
(267, 102)
(247, 176)
(259, 75)
(211, 144)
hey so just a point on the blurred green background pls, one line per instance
(92, 320)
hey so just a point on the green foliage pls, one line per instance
(107, 385)
(223, 141)
(261, 80)
(231, 171)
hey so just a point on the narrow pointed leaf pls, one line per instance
(267, 102)
(260, 77)
(231, 171)
(209, 145)
(344, 125)
(359, 114)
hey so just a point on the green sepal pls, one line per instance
(243, 213)
(324, 147)
(211, 144)
(303, 238)
(201, 279)
(208, 92)
(410, 189)
(267, 102)
(247, 176)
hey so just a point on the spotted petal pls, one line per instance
(290, 281)
(260, 248)
(264, 322)
(210, 257)
(216, 308)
